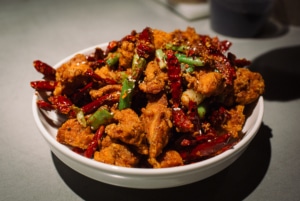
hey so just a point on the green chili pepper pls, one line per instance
(100, 117)
(189, 60)
(126, 93)
(112, 58)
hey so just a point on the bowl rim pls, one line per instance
(113, 169)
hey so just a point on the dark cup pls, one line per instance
(239, 18)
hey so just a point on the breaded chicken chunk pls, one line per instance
(207, 84)
(170, 158)
(155, 79)
(248, 86)
(235, 124)
(73, 134)
(71, 75)
(108, 89)
(116, 154)
(127, 51)
(129, 129)
(156, 118)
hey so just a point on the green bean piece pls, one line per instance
(98, 118)
(126, 94)
(189, 60)
(179, 48)
(160, 55)
(112, 58)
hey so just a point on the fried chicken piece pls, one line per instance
(116, 154)
(237, 119)
(107, 74)
(248, 86)
(188, 36)
(73, 134)
(108, 89)
(155, 79)
(71, 75)
(156, 118)
(129, 130)
(207, 84)
(127, 51)
(170, 158)
(160, 38)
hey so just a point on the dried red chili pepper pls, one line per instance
(43, 85)
(92, 147)
(44, 105)
(193, 115)
(224, 45)
(174, 75)
(218, 116)
(47, 70)
(191, 141)
(82, 96)
(209, 148)
(94, 105)
(61, 103)
(145, 47)
(112, 46)
(237, 62)
(78, 150)
(180, 119)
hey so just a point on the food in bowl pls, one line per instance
(151, 99)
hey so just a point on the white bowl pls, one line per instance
(141, 177)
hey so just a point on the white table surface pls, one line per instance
(52, 30)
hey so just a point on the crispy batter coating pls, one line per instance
(71, 75)
(155, 79)
(129, 129)
(207, 84)
(108, 89)
(170, 158)
(160, 38)
(73, 134)
(248, 86)
(156, 118)
(188, 36)
(127, 52)
(116, 154)
(235, 124)
(107, 74)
